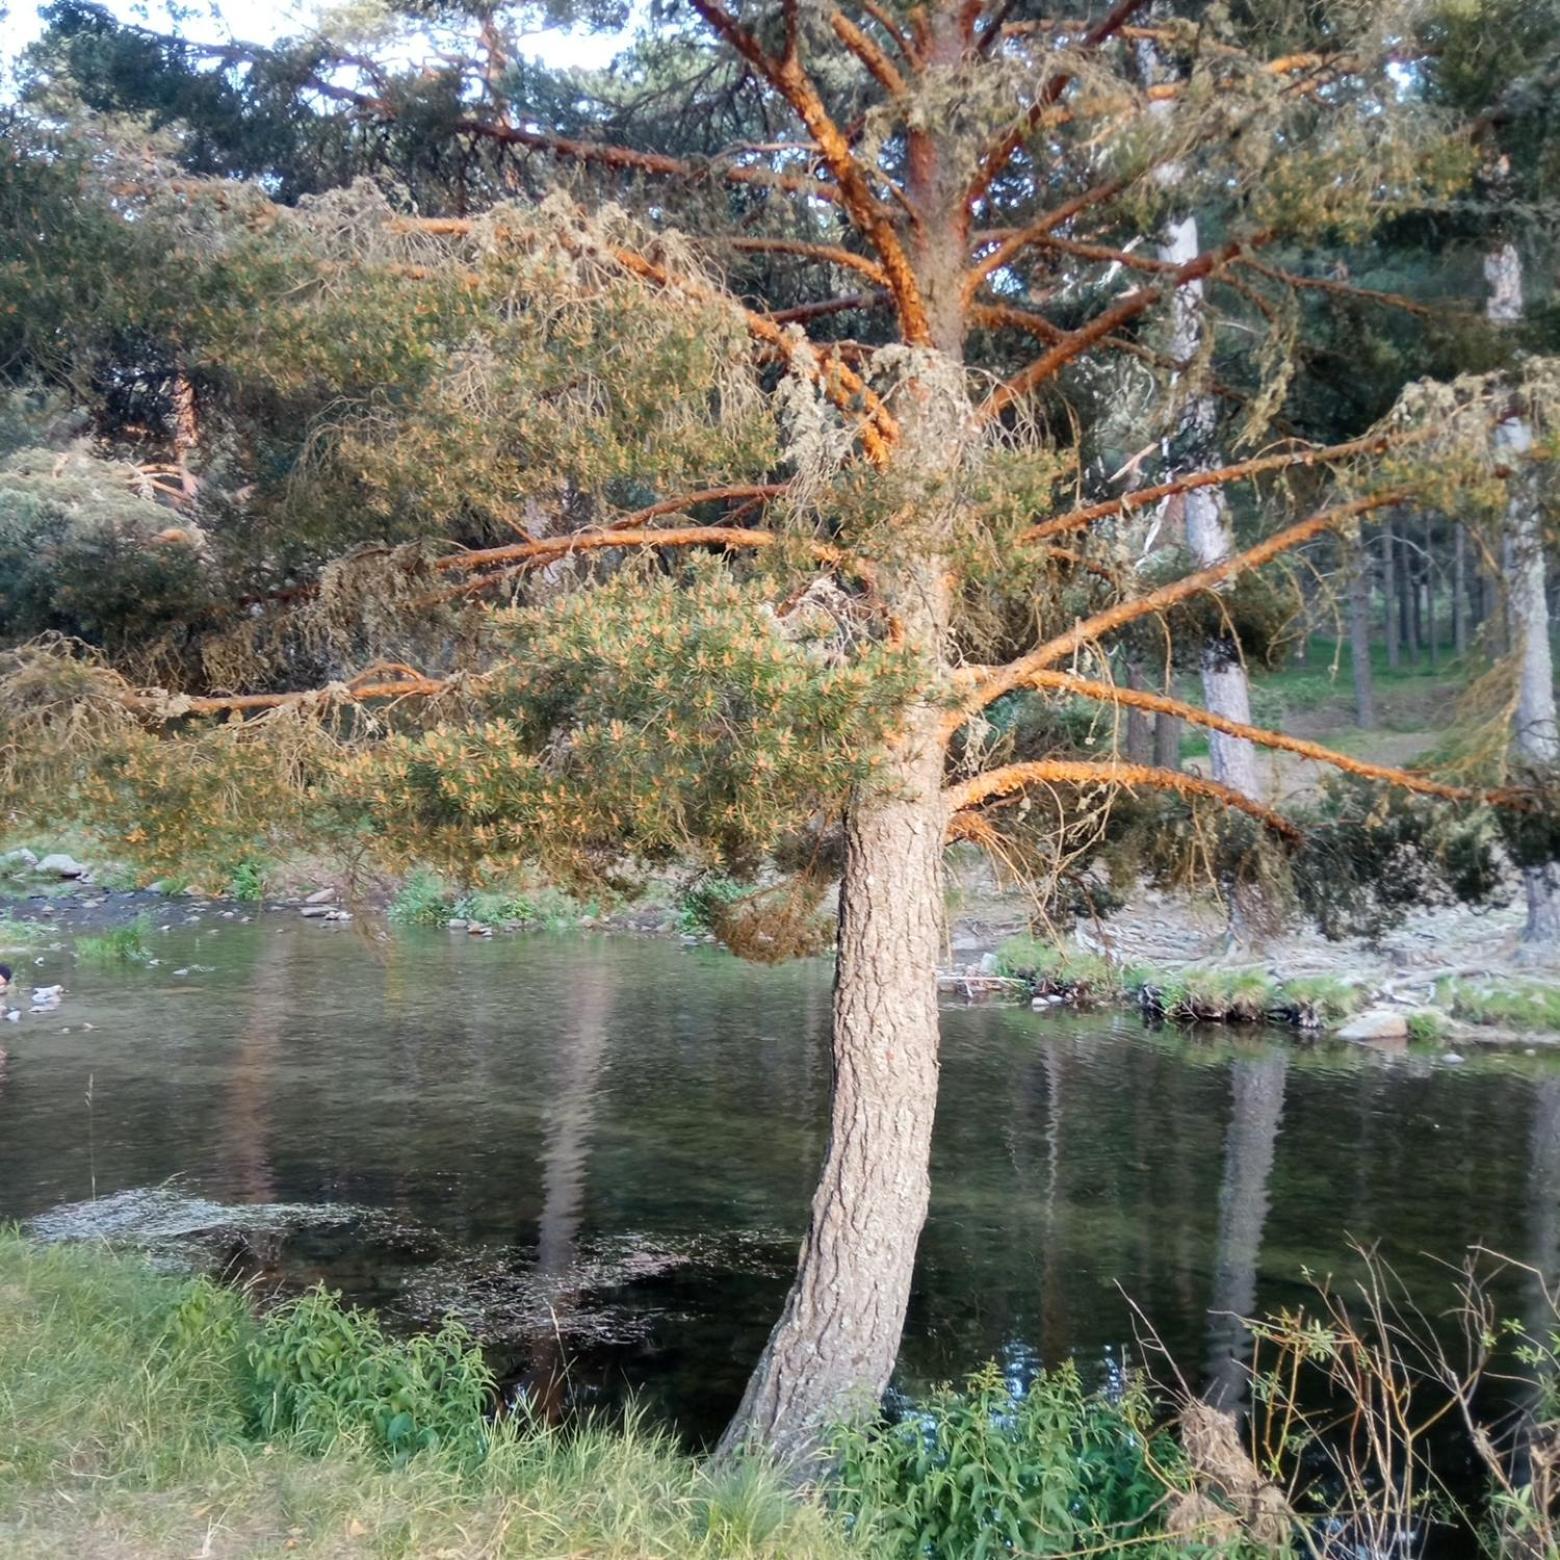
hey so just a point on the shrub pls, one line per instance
(248, 882)
(422, 900)
(325, 1373)
(701, 905)
(994, 1470)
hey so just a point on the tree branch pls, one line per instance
(998, 157)
(1326, 284)
(1014, 242)
(1077, 519)
(1162, 704)
(1057, 771)
(1133, 304)
(788, 78)
(883, 69)
(1015, 674)
(827, 253)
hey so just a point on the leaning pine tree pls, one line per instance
(780, 469)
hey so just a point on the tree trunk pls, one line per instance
(1139, 736)
(1430, 584)
(1537, 736)
(1389, 597)
(833, 1349)
(1459, 592)
(1167, 741)
(1358, 564)
(1527, 610)
(1407, 617)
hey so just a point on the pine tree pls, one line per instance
(843, 370)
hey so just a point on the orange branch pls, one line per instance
(1162, 704)
(788, 78)
(1077, 519)
(1327, 284)
(1058, 771)
(672, 506)
(1012, 243)
(883, 69)
(1076, 342)
(1016, 673)
(828, 253)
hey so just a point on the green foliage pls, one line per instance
(19, 934)
(1426, 1028)
(126, 944)
(1314, 1001)
(1048, 1470)
(671, 718)
(324, 1373)
(248, 881)
(422, 900)
(1200, 994)
(701, 905)
(1371, 854)
(1082, 979)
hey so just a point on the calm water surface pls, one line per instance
(599, 1151)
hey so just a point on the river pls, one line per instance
(599, 1151)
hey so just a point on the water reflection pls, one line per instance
(1256, 1107)
(600, 1152)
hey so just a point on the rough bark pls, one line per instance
(1537, 734)
(1359, 638)
(833, 1349)
(1167, 741)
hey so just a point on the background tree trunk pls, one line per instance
(1527, 610)
(1389, 597)
(832, 1351)
(1358, 565)
(1459, 592)
(1167, 741)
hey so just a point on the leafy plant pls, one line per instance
(248, 882)
(422, 900)
(1050, 1469)
(325, 1373)
(701, 905)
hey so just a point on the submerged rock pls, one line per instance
(1375, 1025)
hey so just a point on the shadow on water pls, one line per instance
(599, 1153)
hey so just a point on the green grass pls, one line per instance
(1511, 1005)
(1203, 995)
(1081, 978)
(119, 945)
(132, 1423)
(20, 934)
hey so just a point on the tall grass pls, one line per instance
(126, 944)
(145, 1415)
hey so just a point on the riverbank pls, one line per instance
(130, 1431)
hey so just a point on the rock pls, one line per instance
(989, 964)
(60, 865)
(1374, 1025)
(161, 886)
(338, 915)
(1452, 1057)
(321, 896)
(15, 861)
(315, 912)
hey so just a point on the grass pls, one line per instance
(20, 934)
(119, 945)
(132, 1423)
(1080, 978)
(426, 899)
(1511, 1005)
(1199, 994)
